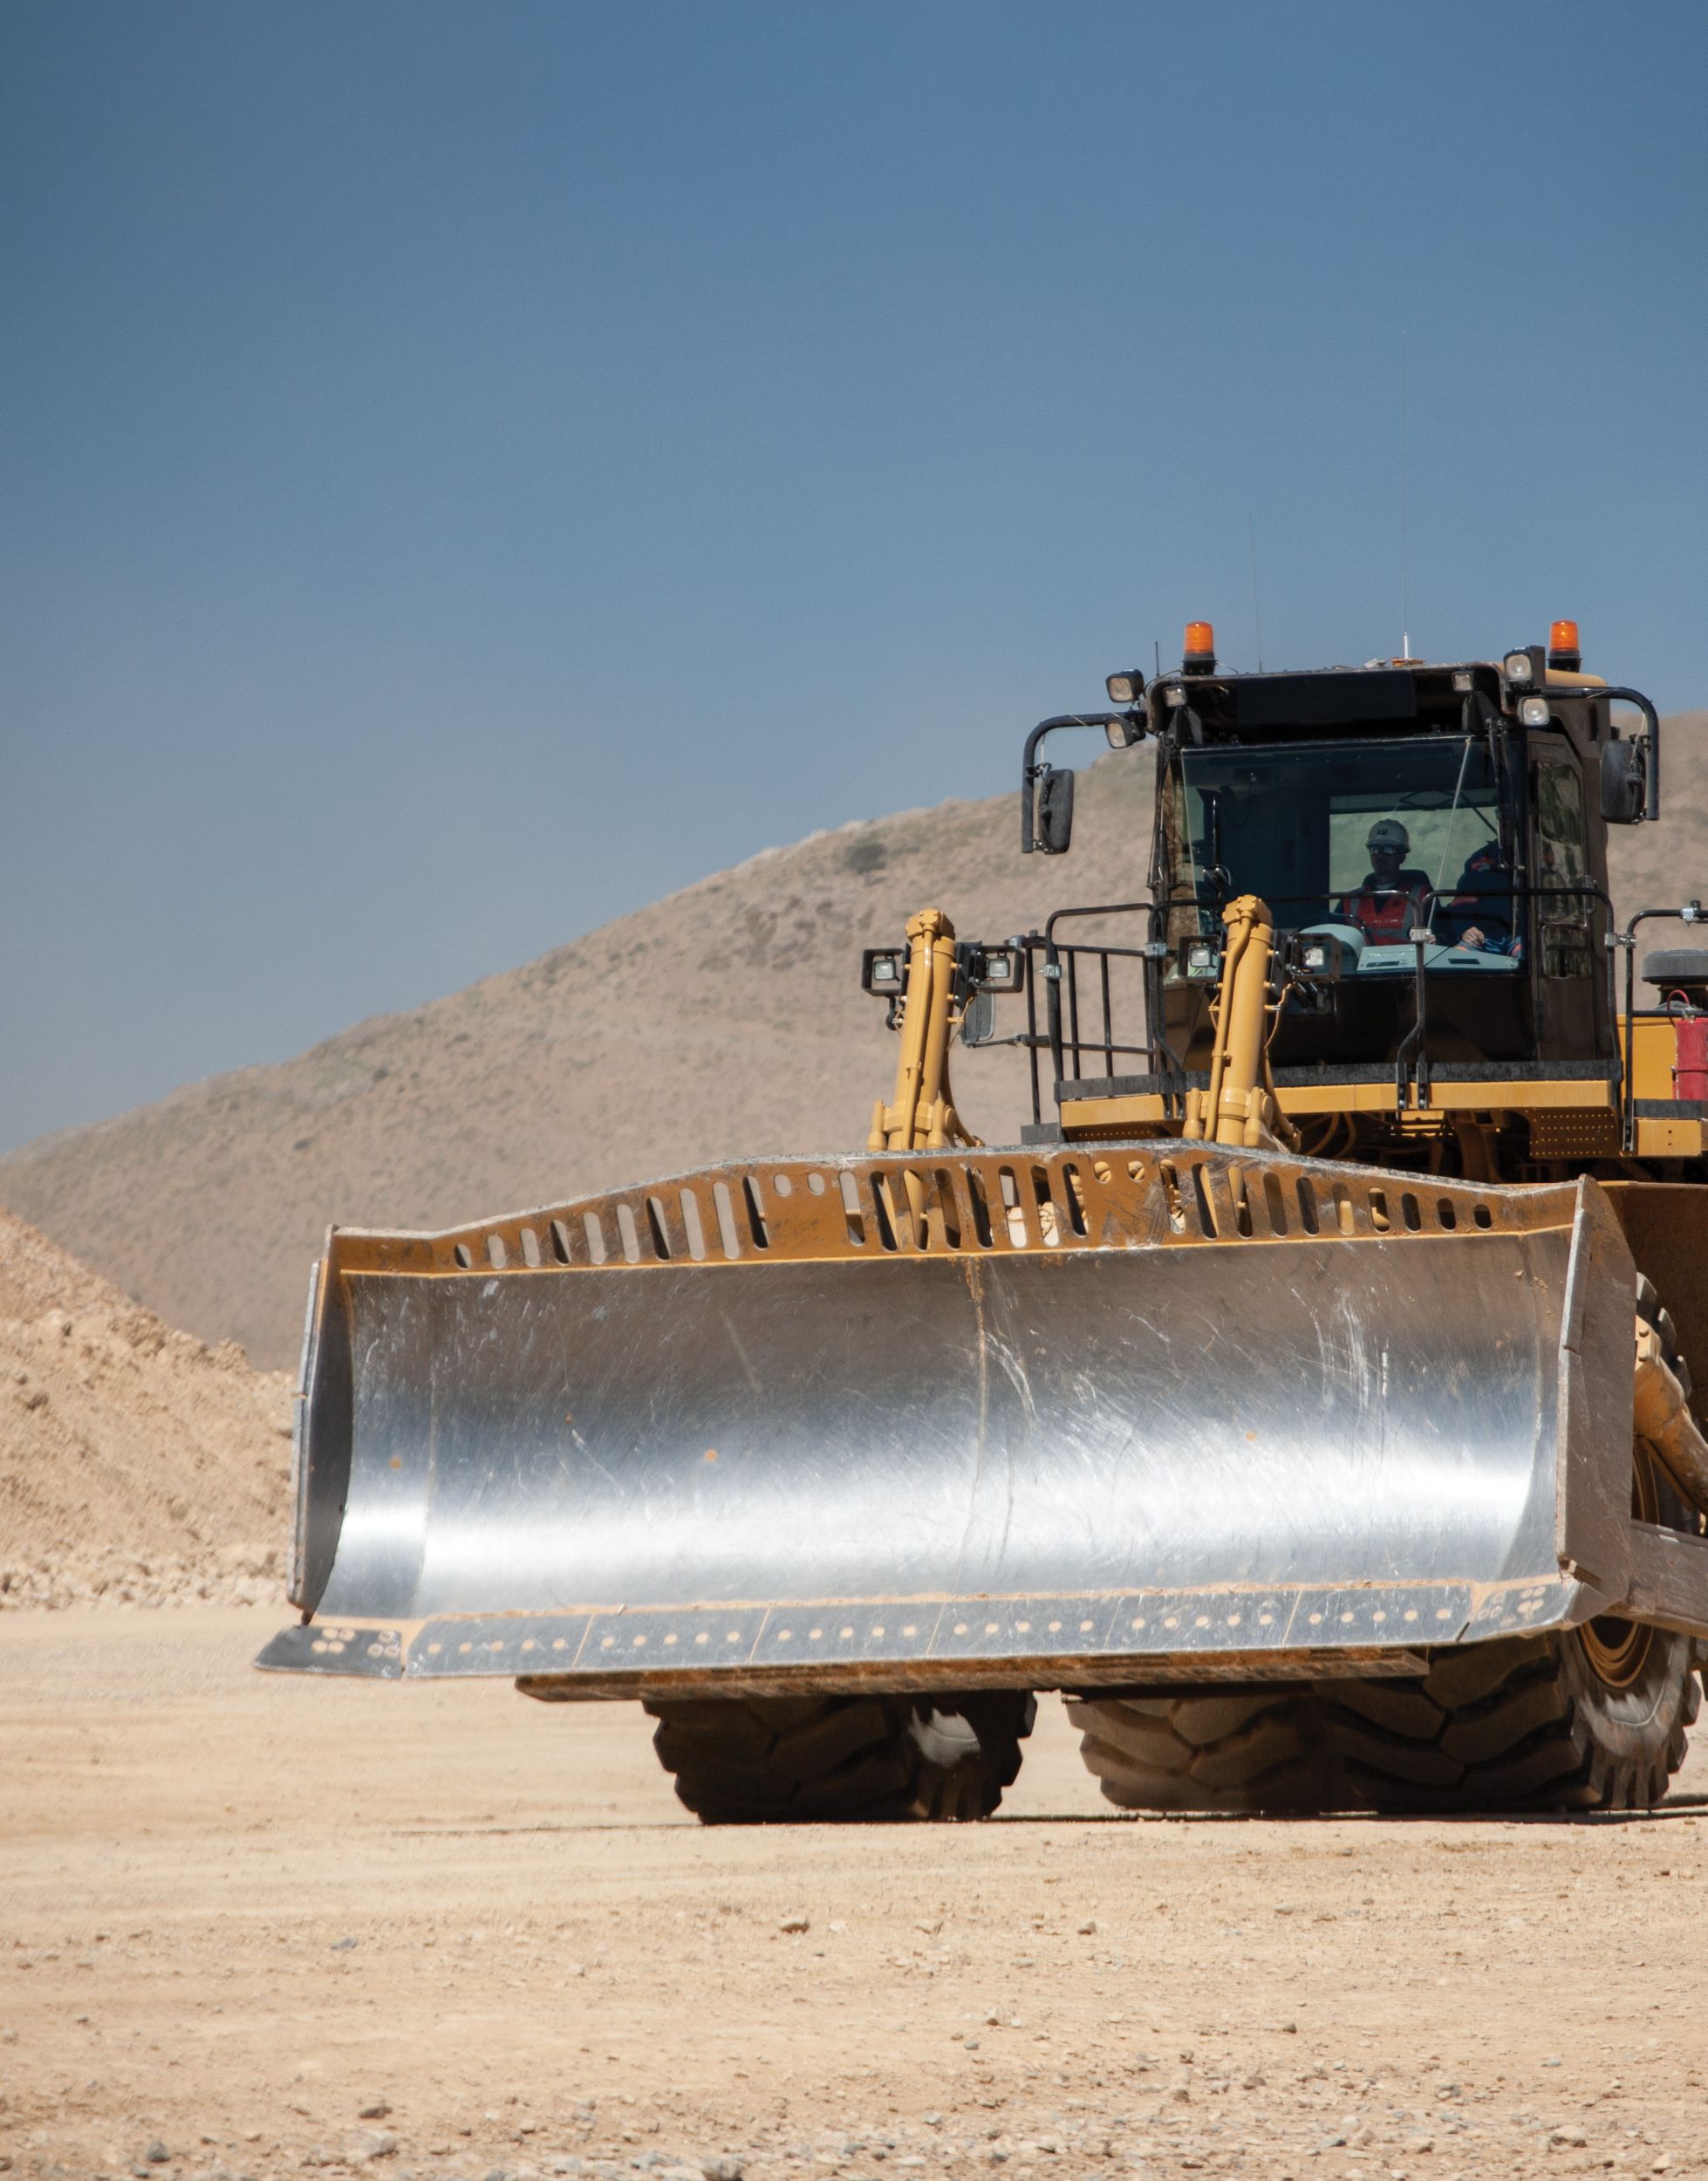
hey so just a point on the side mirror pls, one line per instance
(1056, 809)
(1624, 781)
(978, 1019)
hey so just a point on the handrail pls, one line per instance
(1054, 1037)
(1413, 1044)
(1064, 1032)
(1059, 954)
(1098, 908)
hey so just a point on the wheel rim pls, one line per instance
(1618, 1649)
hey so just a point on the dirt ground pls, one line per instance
(252, 1925)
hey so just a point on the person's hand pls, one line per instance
(1474, 936)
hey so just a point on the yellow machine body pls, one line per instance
(946, 1415)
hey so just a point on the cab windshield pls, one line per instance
(1374, 841)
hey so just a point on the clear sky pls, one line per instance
(466, 470)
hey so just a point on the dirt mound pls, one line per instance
(724, 1021)
(136, 1464)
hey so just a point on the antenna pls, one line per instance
(1156, 647)
(1404, 532)
(1257, 609)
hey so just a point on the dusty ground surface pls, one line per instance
(237, 1913)
(136, 1464)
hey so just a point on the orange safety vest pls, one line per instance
(1387, 915)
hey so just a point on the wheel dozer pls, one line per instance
(1307, 1394)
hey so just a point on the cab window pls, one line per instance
(1294, 824)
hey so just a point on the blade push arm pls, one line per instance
(922, 1116)
(1239, 1108)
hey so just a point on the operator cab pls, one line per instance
(1429, 838)
(1356, 845)
(1420, 834)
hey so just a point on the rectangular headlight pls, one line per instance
(1001, 969)
(1313, 955)
(883, 970)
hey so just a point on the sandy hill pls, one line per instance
(724, 1020)
(135, 1464)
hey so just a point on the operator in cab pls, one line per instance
(1480, 910)
(1392, 898)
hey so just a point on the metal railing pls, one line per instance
(1077, 1022)
(1078, 981)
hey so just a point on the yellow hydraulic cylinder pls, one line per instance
(1661, 1416)
(1245, 1013)
(922, 1116)
(1236, 1109)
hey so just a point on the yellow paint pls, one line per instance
(1652, 1051)
(921, 1116)
(1238, 1109)
(1300, 1102)
(1670, 1138)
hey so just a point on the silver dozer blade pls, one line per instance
(1021, 1418)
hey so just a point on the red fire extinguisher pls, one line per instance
(1690, 1065)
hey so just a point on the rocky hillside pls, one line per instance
(137, 1466)
(724, 1020)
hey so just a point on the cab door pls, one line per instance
(1563, 921)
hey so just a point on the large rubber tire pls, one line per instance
(1528, 1723)
(762, 1761)
(1583, 1720)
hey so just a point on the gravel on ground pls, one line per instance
(257, 1925)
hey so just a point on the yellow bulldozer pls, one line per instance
(1306, 1395)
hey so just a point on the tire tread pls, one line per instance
(767, 1761)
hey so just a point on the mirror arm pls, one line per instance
(1613, 693)
(1031, 771)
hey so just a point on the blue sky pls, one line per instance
(468, 471)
